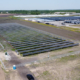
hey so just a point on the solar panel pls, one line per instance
(30, 41)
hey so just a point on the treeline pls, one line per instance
(37, 12)
(34, 12)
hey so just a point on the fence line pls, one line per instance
(3, 64)
(41, 61)
(49, 58)
(61, 55)
(2, 46)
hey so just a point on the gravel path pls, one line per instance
(22, 70)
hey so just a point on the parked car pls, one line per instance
(63, 23)
(30, 77)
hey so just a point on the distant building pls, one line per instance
(75, 14)
(64, 12)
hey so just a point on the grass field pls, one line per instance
(71, 29)
(61, 27)
(77, 25)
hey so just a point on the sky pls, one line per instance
(39, 4)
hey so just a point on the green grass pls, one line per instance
(70, 29)
(21, 54)
(63, 49)
(46, 73)
(42, 24)
(12, 17)
(61, 27)
(76, 25)
(68, 58)
(13, 49)
(70, 51)
(70, 35)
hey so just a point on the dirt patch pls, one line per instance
(2, 55)
(6, 15)
(15, 76)
(2, 74)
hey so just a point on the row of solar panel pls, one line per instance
(73, 22)
(41, 48)
(50, 49)
(35, 44)
(37, 41)
(25, 36)
(38, 45)
(33, 39)
(62, 18)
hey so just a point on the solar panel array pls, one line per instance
(73, 21)
(28, 41)
(62, 18)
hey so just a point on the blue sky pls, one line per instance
(39, 4)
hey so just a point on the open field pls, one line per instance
(64, 27)
(5, 15)
(70, 28)
(67, 68)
